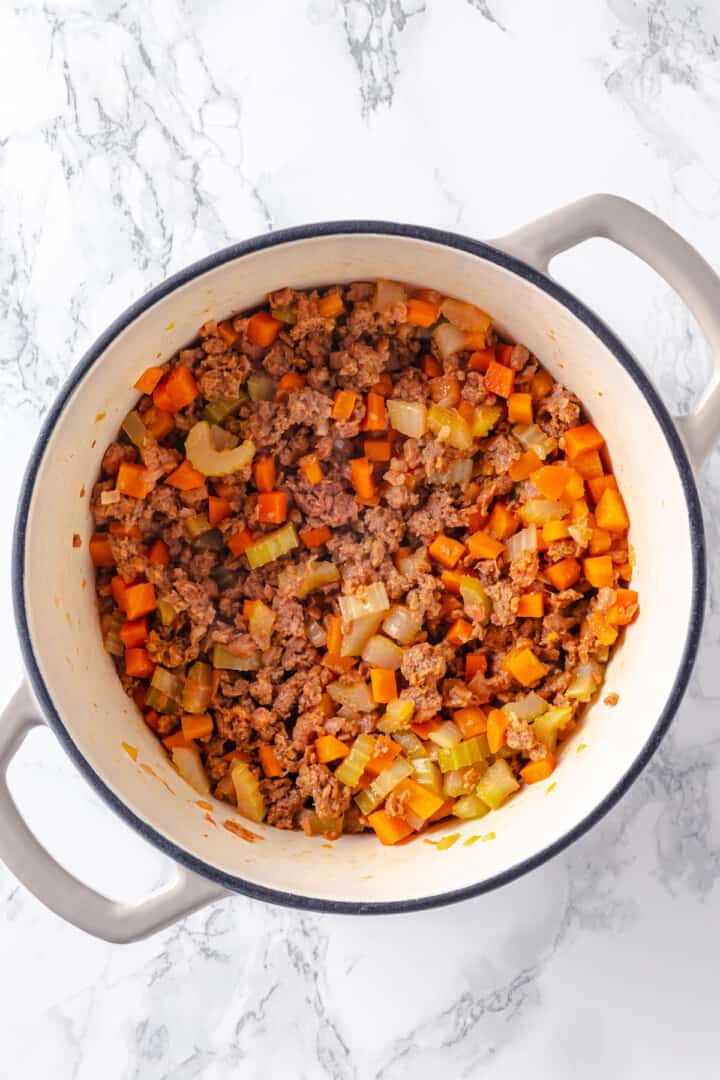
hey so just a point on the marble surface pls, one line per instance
(135, 138)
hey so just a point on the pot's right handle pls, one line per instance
(661, 247)
(59, 890)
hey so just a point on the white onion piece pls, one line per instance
(382, 652)
(407, 417)
(526, 708)
(525, 540)
(585, 681)
(354, 695)
(188, 763)
(448, 339)
(401, 625)
(107, 498)
(541, 511)
(413, 564)
(465, 316)
(534, 438)
(459, 473)
(447, 735)
(358, 632)
(365, 601)
(387, 294)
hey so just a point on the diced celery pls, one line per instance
(366, 601)
(261, 386)
(166, 611)
(447, 425)
(382, 785)
(460, 781)
(476, 600)
(428, 775)
(212, 540)
(167, 683)
(202, 455)
(354, 695)
(548, 727)
(188, 763)
(284, 314)
(197, 524)
(470, 806)
(272, 546)
(317, 575)
(412, 746)
(485, 419)
(217, 411)
(398, 715)
(155, 699)
(313, 825)
(352, 767)
(446, 736)
(136, 431)
(401, 624)
(526, 708)
(198, 688)
(465, 753)
(585, 681)
(497, 783)
(358, 632)
(112, 640)
(262, 621)
(224, 660)
(250, 801)
(407, 417)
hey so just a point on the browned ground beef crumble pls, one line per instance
(284, 704)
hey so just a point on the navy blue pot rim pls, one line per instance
(622, 355)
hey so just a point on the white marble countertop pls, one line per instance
(135, 138)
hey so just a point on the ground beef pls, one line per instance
(558, 411)
(330, 797)
(114, 457)
(504, 598)
(524, 570)
(501, 451)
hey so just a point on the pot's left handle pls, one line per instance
(59, 890)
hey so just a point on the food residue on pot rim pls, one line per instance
(100, 416)
(211, 819)
(551, 787)
(611, 699)
(203, 805)
(445, 843)
(131, 751)
(581, 747)
(151, 772)
(237, 829)
(76, 541)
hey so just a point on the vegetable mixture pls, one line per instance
(360, 562)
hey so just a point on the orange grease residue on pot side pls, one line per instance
(237, 829)
(131, 751)
(151, 772)
(445, 843)
(203, 805)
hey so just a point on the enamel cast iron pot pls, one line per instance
(72, 684)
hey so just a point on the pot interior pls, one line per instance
(80, 678)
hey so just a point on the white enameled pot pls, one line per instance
(72, 685)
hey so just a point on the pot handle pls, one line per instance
(644, 234)
(59, 890)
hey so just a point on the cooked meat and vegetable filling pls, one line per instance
(359, 561)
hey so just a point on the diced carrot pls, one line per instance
(450, 606)
(477, 521)
(563, 574)
(375, 419)
(555, 530)
(475, 663)
(579, 440)
(472, 720)
(419, 800)
(139, 600)
(264, 473)
(459, 633)
(218, 509)
(497, 723)
(625, 609)
(525, 465)
(481, 359)
(288, 383)
(362, 479)
(344, 404)
(272, 507)
(149, 380)
(383, 386)
(158, 422)
(589, 465)
(171, 742)
(598, 484)
(541, 384)
(431, 295)
(196, 727)
(551, 480)
(604, 631)
(331, 306)
(625, 571)
(158, 554)
(180, 387)
(311, 469)
(524, 666)
(248, 608)
(152, 719)
(600, 542)
(227, 332)
(328, 748)
(132, 480)
(334, 635)
(520, 409)
(451, 580)
(313, 538)
(377, 449)
(422, 313)
(535, 771)
(467, 411)
(575, 487)
(579, 510)
(431, 367)
(138, 663)
(499, 379)
(503, 523)
(161, 397)
(610, 512)
(118, 589)
(475, 340)
(423, 728)
(384, 753)
(446, 550)
(598, 571)
(134, 633)
(503, 352)
(384, 685)
(531, 606)
(121, 528)
(185, 477)
(482, 546)
(269, 760)
(262, 329)
(442, 812)
(239, 541)
(101, 551)
(389, 830)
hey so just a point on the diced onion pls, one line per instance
(585, 681)
(447, 425)
(250, 801)
(401, 625)
(459, 473)
(224, 660)
(315, 632)
(449, 339)
(201, 452)
(357, 633)
(485, 419)
(412, 746)
(365, 601)
(465, 316)
(407, 417)
(107, 498)
(413, 563)
(261, 386)
(476, 600)
(541, 511)
(317, 575)
(382, 652)
(534, 438)
(136, 431)
(354, 695)
(188, 763)
(446, 736)
(525, 540)
(526, 708)
(387, 294)
(197, 691)
(261, 623)
(388, 779)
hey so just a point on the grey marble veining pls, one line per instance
(135, 138)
